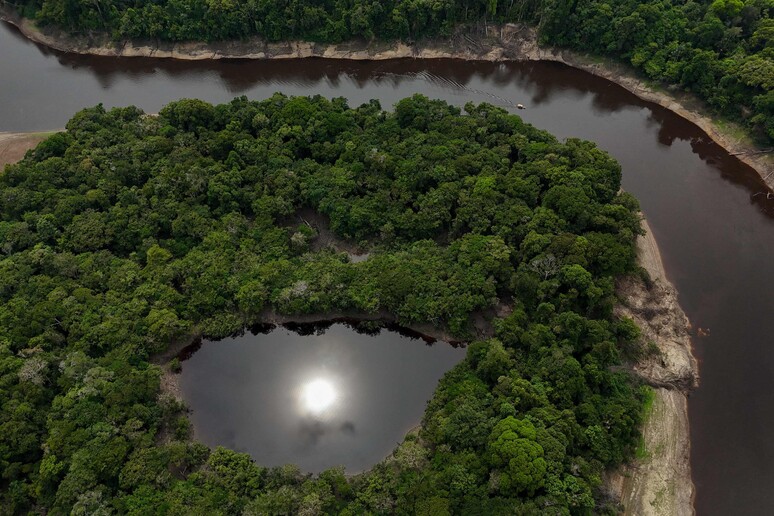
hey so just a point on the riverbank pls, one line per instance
(658, 482)
(13, 146)
(506, 43)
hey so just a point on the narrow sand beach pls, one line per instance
(13, 146)
(658, 482)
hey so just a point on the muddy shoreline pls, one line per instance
(658, 481)
(13, 146)
(504, 43)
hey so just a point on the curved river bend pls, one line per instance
(708, 212)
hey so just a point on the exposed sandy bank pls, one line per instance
(659, 483)
(507, 43)
(13, 146)
(657, 312)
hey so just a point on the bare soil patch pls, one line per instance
(13, 146)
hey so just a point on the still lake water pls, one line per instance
(714, 228)
(335, 397)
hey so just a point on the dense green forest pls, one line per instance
(721, 50)
(127, 232)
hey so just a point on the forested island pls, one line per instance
(721, 50)
(127, 232)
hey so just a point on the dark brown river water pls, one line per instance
(713, 224)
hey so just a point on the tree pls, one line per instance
(517, 457)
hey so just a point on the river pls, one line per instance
(708, 211)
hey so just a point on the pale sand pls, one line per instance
(13, 146)
(660, 482)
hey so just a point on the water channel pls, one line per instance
(714, 227)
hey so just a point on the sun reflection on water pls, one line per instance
(318, 396)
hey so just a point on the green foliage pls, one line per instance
(518, 459)
(719, 50)
(127, 232)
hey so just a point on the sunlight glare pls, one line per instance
(318, 395)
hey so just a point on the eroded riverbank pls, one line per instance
(507, 43)
(658, 482)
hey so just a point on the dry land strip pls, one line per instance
(659, 481)
(13, 146)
